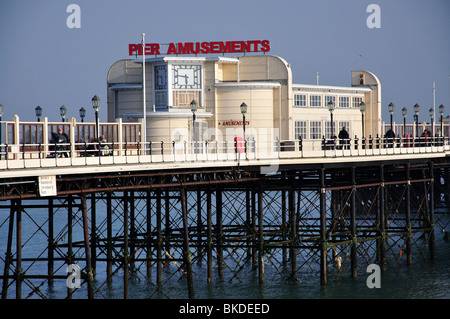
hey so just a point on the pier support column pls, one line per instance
(148, 246)
(248, 222)
(93, 242)
(159, 243)
(353, 251)
(382, 222)
(199, 228)
(284, 225)
(219, 234)
(210, 237)
(254, 229)
(109, 243)
(51, 244)
(8, 257)
(89, 272)
(70, 257)
(408, 215)
(19, 271)
(186, 250)
(293, 231)
(132, 236)
(125, 247)
(432, 237)
(323, 230)
(260, 236)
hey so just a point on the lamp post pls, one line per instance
(416, 118)
(63, 112)
(404, 113)
(331, 109)
(193, 109)
(96, 106)
(391, 107)
(82, 114)
(38, 111)
(362, 108)
(431, 111)
(243, 112)
(441, 113)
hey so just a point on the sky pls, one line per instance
(44, 62)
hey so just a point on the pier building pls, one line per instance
(276, 107)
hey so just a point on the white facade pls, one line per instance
(277, 108)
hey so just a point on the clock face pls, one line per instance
(187, 77)
(160, 77)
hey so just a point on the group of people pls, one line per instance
(60, 144)
(344, 140)
(426, 139)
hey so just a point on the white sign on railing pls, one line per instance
(47, 185)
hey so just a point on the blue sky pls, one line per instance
(43, 62)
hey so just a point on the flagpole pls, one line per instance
(434, 99)
(144, 111)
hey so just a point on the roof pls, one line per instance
(327, 88)
(179, 59)
(254, 84)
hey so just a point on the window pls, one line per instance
(300, 130)
(300, 100)
(345, 124)
(329, 98)
(161, 93)
(344, 101)
(328, 129)
(315, 130)
(315, 101)
(356, 100)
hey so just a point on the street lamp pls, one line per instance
(38, 111)
(63, 112)
(431, 111)
(416, 118)
(331, 109)
(96, 106)
(193, 110)
(362, 108)
(391, 107)
(82, 114)
(404, 113)
(243, 112)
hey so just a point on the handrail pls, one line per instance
(101, 153)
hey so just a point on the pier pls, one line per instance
(211, 212)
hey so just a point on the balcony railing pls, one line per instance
(32, 155)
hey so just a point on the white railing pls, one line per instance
(98, 153)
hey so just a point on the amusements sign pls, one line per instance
(200, 47)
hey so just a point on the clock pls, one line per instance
(187, 77)
(160, 77)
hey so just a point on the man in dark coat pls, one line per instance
(344, 138)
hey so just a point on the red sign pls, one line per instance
(201, 47)
(233, 123)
